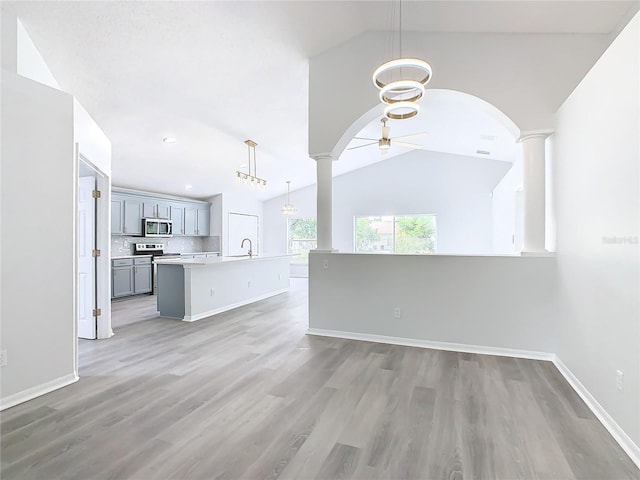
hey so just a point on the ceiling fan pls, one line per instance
(385, 142)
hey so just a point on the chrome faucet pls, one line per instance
(242, 245)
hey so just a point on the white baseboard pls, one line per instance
(453, 347)
(200, 316)
(601, 414)
(619, 435)
(33, 392)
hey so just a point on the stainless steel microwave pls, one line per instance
(156, 227)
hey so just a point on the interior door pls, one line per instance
(86, 260)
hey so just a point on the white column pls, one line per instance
(325, 200)
(533, 179)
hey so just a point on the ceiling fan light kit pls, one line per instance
(384, 143)
(247, 178)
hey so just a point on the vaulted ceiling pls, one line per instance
(213, 74)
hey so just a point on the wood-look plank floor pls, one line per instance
(246, 395)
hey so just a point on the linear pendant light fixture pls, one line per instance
(402, 82)
(248, 178)
(288, 209)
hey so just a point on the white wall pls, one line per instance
(503, 205)
(499, 302)
(9, 44)
(455, 188)
(493, 67)
(38, 289)
(596, 191)
(30, 62)
(238, 203)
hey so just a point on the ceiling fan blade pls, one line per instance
(360, 146)
(366, 138)
(409, 145)
(420, 134)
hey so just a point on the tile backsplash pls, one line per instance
(121, 245)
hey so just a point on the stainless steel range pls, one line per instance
(155, 250)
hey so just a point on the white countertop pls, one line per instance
(149, 255)
(216, 260)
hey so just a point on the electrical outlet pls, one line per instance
(279, 276)
(325, 264)
(397, 313)
(3, 358)
(619, 380)
(212, 292)
(248, 284)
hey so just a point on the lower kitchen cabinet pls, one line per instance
(131, 276)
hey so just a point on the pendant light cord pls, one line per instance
(400, 28)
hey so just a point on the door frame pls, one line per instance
(103, 243)
(87, 185)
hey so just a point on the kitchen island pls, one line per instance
(192, 289)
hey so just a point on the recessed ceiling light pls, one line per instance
(488, 138)
(188, 186)
(483, 152)
(169, 140)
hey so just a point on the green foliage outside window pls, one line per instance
(410, 234)
(302, 238)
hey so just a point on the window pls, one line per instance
(301, 238)
(395, 234)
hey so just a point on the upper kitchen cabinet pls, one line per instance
(190, 220)
(133, 214)
(163, 210)
(129, 207)
(176, 214)
(117, 214)
(196, 221)
(156, 209)
(204, 229)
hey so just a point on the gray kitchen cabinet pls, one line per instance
(117, 215)
(133, 213)
(190, 220)
(176, 214)
(121, 278)
(142, 280)
(196, 221)
(155, 209)
(129, 207)
(149, 209)
(163, 210)
(203, 228)
(130, 276)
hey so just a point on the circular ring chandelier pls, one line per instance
(401, 91)
(420, 69)
(401, 110)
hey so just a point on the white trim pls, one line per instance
(601, 414)
(454, 347)
(618, 434)
(199, 316)
(38, 390)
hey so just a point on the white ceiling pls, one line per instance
(213, 74)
